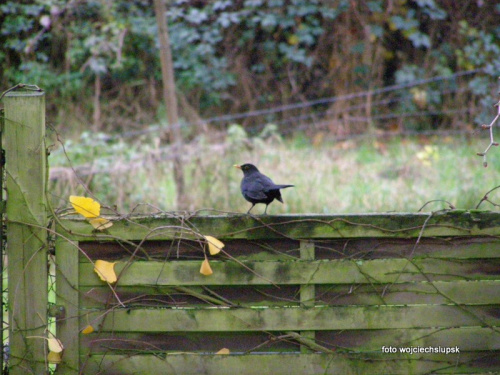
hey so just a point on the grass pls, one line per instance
(329, 177)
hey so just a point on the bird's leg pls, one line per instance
(253, 204)
(265, 211)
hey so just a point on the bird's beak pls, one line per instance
(237, 166)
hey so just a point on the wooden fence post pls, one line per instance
(2, 218)
(25, 155)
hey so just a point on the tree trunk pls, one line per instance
(97, 103)
(169, 96)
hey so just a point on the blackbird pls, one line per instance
(258, 188)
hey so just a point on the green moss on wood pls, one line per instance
(375, 271)
(290, 364)
(294, 318)
(393, 225)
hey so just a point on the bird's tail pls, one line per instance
(278, 187)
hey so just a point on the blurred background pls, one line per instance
(363, 105)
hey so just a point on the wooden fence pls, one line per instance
(294, 294)
(290, 295)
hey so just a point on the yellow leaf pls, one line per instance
(293, 40)
(214, 245)
(419, 97)
(87, 330)
(87, 207)
(54, 358)
(205, 268)
(223, 351)
(100, 223)
(105, 270)
(55, 345)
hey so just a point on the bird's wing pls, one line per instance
(255, 189)
(269, 185)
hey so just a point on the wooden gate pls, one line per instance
(288, 295)
(299, 294)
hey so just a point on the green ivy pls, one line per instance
(63, 45)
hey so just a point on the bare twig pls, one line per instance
(451, 206)
(487, 199)
(492, 140)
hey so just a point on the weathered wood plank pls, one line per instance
(181, 342)
(474, 339)
(27, 244)
(188, 249)
(393, 225)
(291, 364)
(283, 249)
(467, 339)
(295, 272)
(194, 296)
(481, 292)
(292, 319)
(484, 292)
(377, 248)
(67, 299)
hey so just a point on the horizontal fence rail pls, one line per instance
(292, 294)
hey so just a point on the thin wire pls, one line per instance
(293, 106)
(333, 99)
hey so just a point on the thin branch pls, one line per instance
(487, 199)
(492, 140)
(451, 206)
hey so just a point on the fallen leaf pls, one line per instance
(100, 223)
(87, 207)
(105, 271)
(205, 268)
(88, 330)
(223, 351)
(214, 245)
(55, 345)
